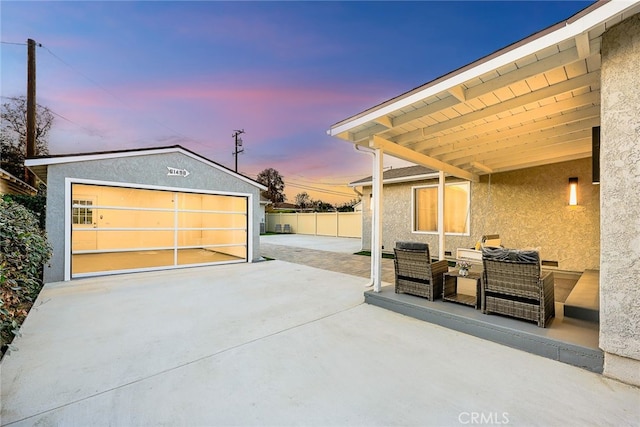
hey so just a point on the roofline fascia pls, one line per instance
(572, 27)
(46, 161)
(397, 180)
(6, 175)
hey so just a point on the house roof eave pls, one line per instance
(38, 165)
(561, 31)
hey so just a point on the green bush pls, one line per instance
(36, 204)
(24, 253)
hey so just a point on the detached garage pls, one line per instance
(142, 210)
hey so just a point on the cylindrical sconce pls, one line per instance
(573, 191)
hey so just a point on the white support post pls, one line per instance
(441, 182)
(376, 221)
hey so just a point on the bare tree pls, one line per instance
(13, 134)
(303, 200)
(274, 182)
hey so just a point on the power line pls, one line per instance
(331, 184)
(56, 114)
(337, 176)
(321, 190)
(90, 131)
(117, 98)
(313, 185)
(304, 181)
(296, 184)
(19, 44)
(80, 73)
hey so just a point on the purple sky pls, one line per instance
(122, 75)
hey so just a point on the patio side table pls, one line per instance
(450, 289)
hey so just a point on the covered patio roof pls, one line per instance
(532, 103)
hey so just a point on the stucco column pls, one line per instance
(620, 201)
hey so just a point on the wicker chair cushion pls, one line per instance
(413, 246)
(515, 255)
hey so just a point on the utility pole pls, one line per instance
(31, 107)
(238, 141)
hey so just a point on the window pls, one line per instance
(82, 212)
(456, 208)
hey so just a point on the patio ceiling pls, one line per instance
(532, 103)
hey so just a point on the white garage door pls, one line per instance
(117, 229)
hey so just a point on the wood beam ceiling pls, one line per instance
(532, 97)
(539, 110)
(511, 124)
(554, 147)
(457, 144)
(482, 149)
(403, 153)
(459, 94)
(576, 151)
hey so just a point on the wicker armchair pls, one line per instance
(513, 285)
(415, 273)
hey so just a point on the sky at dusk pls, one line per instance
(125, 75)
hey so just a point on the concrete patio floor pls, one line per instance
(345, 245)
(275, 343)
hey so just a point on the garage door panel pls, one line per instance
(207, 238)
(211, 220)
(130, 218)
(109, 240)
(224, 237)
(135, 229)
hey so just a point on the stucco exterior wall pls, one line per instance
(147, 169)
(620, 204)
(527, 208)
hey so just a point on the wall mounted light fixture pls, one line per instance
(573, 191)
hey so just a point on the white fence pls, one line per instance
(337, 224)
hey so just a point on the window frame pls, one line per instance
(82, 209)
(467, 231)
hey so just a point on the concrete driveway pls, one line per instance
(344, 245)
(275, 343)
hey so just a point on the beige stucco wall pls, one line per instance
(527, 208)
(620, 205)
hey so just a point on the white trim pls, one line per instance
(436, 232)
(176, 215)
(154, 187)
(409, 178)
(136, 208)
(149, 269)
(585, 23)
(159, 248)
(159, 229)
(442, 202)
(376, 238)
(45, 161)
(20, 183)
(249, 242)
(68, 224)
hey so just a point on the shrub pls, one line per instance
(36, 204)
(25, 251)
